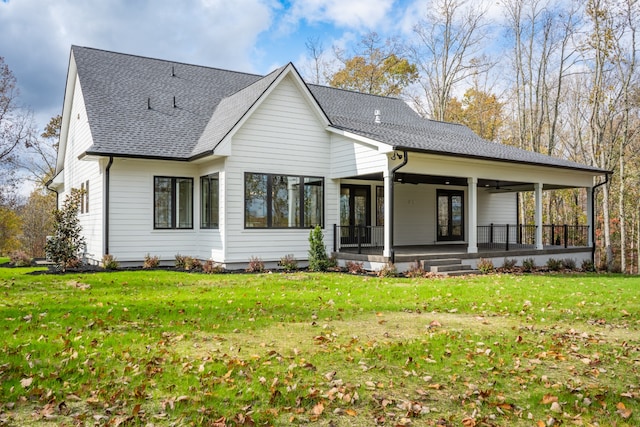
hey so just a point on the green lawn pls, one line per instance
(169, 348)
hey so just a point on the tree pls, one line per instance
(480, 111)
(9, 230)
(316, 72)
(448, 50)
(37, 221)
(39, 158)
(318, 259)
(66, 241)
(378, 68)
(15, 125)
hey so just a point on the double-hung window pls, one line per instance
(172, 202)
(209, 201)
(283, 201)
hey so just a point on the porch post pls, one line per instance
(590, 216)
(388, 216)
(472, 238)
(538, 215)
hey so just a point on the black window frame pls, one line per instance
(269, 200)
(210, 177)
(173, 206)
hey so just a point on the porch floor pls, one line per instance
(425, 252)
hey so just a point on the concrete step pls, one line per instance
(454, 267)
(427, 264)
(460, 272)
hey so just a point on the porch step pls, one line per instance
(447, 267)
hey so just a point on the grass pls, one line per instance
(168, 348)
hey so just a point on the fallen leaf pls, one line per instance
(26, 382)
(318, 409)
(623, 411)
(549, 398)
(555, 407)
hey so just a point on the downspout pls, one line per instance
(593, 218)
(106, 205)
(391, 202)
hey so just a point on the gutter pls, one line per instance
(391, 202)
(106, 205)
(593, 218)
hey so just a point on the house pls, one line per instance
(222, 165)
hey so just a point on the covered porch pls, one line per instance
(420, 208)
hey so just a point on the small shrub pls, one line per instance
(318, 259)
(355, 267)
(256, 265)
(109, 262)
(180, 261)
(20, 259)
(74, 262)
(485, 266)
(212, 267)
(509, 264)
(192, 264)
(151, 261)
(588, 265)
(288, 262)
(66, 241)
(569, 263)
(388, 270)
(554, 264)
(528, 265)
(415, 270)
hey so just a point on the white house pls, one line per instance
(184, 159)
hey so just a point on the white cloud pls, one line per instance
(355, 14)
(36, 37)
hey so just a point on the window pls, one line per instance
(209, 201)
(283, 201)
(173, 202)
(379, 205)
(84, 197)
(82, 193)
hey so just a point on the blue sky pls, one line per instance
(245, 35)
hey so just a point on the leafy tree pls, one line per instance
(377, 69)
(37, 222)
(9, 230)
(318, 259)
(67, 239)
(480, 111)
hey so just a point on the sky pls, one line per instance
(254, 36)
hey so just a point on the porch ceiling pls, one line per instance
(490, 185)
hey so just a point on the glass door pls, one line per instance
(355, 212)
(450, 215)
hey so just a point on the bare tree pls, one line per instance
(448, 50)
(15, 125)
(317, 70)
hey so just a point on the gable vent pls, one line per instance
(377, 119)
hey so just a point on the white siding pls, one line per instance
(352, 158)
(283, 136)
(414, 214)
(78, 172)
(497, 208)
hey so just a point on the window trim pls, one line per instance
(173, 206)
(269, 201)
(209, 177)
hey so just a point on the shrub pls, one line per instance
(181, 261)
(256, 265)
(554, 264)
(528, 264)
(192, 264)
(20, 259)
(109, 262)
(212, 267)
(509, 264)
(318, 259)
(66, 241)
(355, 267)
(588, 265)
(388, 270)
(416, 270)
(151, 261)
(569, 263)
(288, 262)
(485, 266)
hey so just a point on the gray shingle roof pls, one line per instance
(209, 102)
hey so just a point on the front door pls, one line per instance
(450, 215)
(355, 211)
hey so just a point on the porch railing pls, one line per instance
(357, 237)
(506, 236)
(493, 236)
